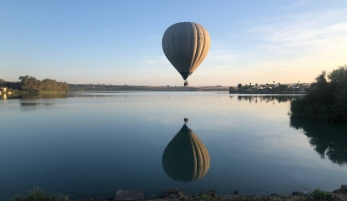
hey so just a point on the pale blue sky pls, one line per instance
(119, 42)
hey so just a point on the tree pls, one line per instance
(22, 77)
(339, 76)
(256, 84)
(232, 90)
(282, 87)
(321, 81)
(29, 83)
(250, 84)
(239, 86)
(325, 100)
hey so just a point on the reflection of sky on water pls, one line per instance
(96, 145)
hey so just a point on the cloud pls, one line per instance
(285, 48)
(298, 3)
(315, 29)
(301, 45)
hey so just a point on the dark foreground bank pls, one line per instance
(177, 194)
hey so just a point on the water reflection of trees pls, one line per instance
(39, 96)
(256, 99)
(186, 158)
(326, 138)
(36, 104)
(101, 96)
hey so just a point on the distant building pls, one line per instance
(3, 89)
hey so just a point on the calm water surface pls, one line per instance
(92, 144)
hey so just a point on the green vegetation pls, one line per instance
(38, 195)
(29, 83)
(232, 90)
(270, 88)
(318, 194)
(325, 100)
(204, 197)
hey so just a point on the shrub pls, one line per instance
(318, 194)
(39, 195)
(325, 100)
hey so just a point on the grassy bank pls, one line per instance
(39, 195)
(39, 92)
(176, 194)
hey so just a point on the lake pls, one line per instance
(93, 144)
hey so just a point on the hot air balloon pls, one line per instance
(186, 45)
(186, 158)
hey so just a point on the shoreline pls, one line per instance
(175, 194)
(272, 92)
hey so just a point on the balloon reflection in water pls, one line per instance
(186, 158)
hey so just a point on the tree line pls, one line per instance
(264, 88)
(326, 98)
(30, 83)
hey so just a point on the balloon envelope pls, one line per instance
(186, 45)
(186, 158)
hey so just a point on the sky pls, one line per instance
(119, 42)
